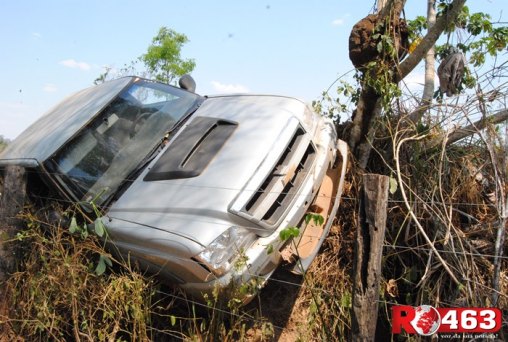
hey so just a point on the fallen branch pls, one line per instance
(464, 132)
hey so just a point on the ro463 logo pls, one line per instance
(426, 320)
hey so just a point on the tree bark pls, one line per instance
(370, 237)
(369, 105)
(12, 200)
(388, 7)
(430, 58)
(380, 5)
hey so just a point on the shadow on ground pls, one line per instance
(276, 301)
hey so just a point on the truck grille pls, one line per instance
(281, 186)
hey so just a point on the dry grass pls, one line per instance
(57, 296)
(451, 193)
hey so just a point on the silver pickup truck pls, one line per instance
(196, 189)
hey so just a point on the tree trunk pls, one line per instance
(369, 105)
(380, 5)
(430, 58)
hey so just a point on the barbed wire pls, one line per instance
(331, 197)
(302, 284)
(214, 308)
(446, 251)
(400, 247)
(292, 193)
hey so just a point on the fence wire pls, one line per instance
(298, 286)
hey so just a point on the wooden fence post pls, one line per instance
(368, 252)
(12, 200)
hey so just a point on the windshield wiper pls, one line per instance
(155, 151)
(184, 117)
(152, 154)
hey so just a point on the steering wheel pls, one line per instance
(138, 122)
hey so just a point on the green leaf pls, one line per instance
(345, 301)
(173, 320)
(319, 219)
(84, 233)
(101, 266)
(284, 234)
(269, 249)
(108, 261)
(99, 227)
(289, 232)
(393, 185)
(73, 226)
(295, 232)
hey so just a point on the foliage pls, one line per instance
(476, 34)
(484, 37)
(162, 61)
(289, 233)
(452, 190)
(336, 106)
(317, 219)
(57, 296)
(478, 37)
(98, 228)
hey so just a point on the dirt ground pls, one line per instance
(278, 303)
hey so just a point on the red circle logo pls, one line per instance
(427, 320)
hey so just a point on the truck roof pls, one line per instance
(46, 135)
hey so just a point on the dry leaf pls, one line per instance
(392, 289)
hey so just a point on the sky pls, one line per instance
(51, 49)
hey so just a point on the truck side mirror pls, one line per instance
(187, 82)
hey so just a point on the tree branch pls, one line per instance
(461, 133)
(429, 40)
(392, 6)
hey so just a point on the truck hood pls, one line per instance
(197, 208)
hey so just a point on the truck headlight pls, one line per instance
(221, 254)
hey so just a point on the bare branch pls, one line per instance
(463, 132)
(411, 212)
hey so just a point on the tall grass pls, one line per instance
(57, 295)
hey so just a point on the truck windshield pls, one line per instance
(99, 159)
